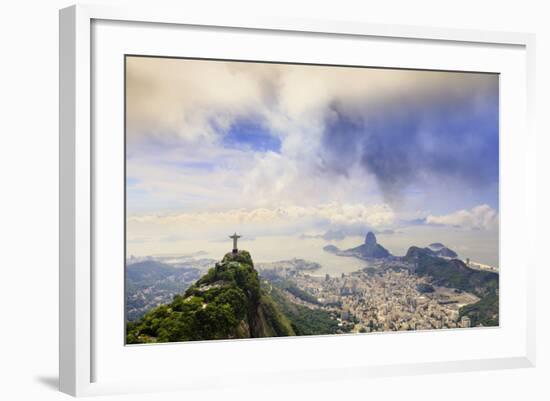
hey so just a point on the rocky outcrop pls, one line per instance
(370, 249)
(227, 302)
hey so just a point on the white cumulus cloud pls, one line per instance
(333, 213)
(266, 221)
(481, 217)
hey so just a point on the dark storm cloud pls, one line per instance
(409, 144)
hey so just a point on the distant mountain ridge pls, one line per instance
(150, 283)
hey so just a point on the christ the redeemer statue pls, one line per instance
(235, 237)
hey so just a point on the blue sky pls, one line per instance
(290, 148)
(250, 134)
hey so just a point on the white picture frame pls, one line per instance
(79, 317)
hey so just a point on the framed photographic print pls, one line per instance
(296, 200)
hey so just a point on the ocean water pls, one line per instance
(478, 246)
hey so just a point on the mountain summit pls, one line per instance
(370, 249)
(227, 302)
(370, 239)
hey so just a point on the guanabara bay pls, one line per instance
(271, 199)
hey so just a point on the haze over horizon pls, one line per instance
(294, 151)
